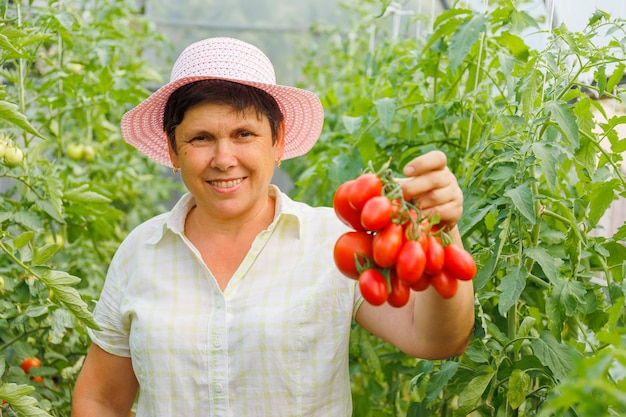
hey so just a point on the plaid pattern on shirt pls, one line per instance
(273, 343)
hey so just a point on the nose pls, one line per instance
(223, 155)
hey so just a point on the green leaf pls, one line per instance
(524, 201)
(11, 113)
(19, 398)
(439, 380)
(511, 288)
(569, 295)
(462, 41)
(601, 198)
(519, 384)
(616, 77)
(59, 282)
(558, 357)
(36, 311)
(80, 196)
(23, 239)
(564, 117)
(469, 397)
(352, 124)
(386, 108)
(545, 154)
(44, 253)
(549, 264)
(515, 45)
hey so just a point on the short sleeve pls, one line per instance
(114, 334)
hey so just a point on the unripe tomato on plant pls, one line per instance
(13, 156)
(75, 151)
(89, 153)
(1, 283)
(348, 248)
(373, 286)
(365, 186)
(344, 211)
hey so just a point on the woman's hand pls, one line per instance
(433, 188)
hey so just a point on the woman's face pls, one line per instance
(226, 159)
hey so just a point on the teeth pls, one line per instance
(226, 184)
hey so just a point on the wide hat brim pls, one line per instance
(232, 60)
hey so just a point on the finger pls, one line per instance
(431, 180)
(431, 161)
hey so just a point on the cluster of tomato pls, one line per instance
(392, 249)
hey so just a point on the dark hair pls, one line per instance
(241, 97)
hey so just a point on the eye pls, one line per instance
(199, 138)
(245, 134)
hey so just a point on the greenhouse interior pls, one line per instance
(367, 208)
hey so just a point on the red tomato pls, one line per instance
(459, 263)
(434, 256)
(38, 378)
(376, 213)
(422, 283)
(373, 286)
(387, 244)
(444, 284)
(349, 247)
(410, 262)
(400, 291)
(28, 363)
(343, 209)
(365, 186)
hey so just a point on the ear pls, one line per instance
(279, 145)
(173, 154)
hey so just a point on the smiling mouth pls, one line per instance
(226, 183)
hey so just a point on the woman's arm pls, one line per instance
(106, 386)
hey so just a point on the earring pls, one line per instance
(175, 170)
(278, 161)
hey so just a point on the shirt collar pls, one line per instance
(174, 220)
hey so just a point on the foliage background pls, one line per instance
(516, 123)
(69, 71)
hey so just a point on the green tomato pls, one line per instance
(89, 153)
(3, 148)
(1, 283)
(75, 151)
(13, 156)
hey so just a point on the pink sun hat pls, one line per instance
(233, 60)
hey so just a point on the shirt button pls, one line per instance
(217, 342)
(218, 388)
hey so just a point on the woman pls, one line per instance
(230, 304)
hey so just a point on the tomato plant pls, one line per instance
(61, 219)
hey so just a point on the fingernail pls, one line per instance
(408, 170)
